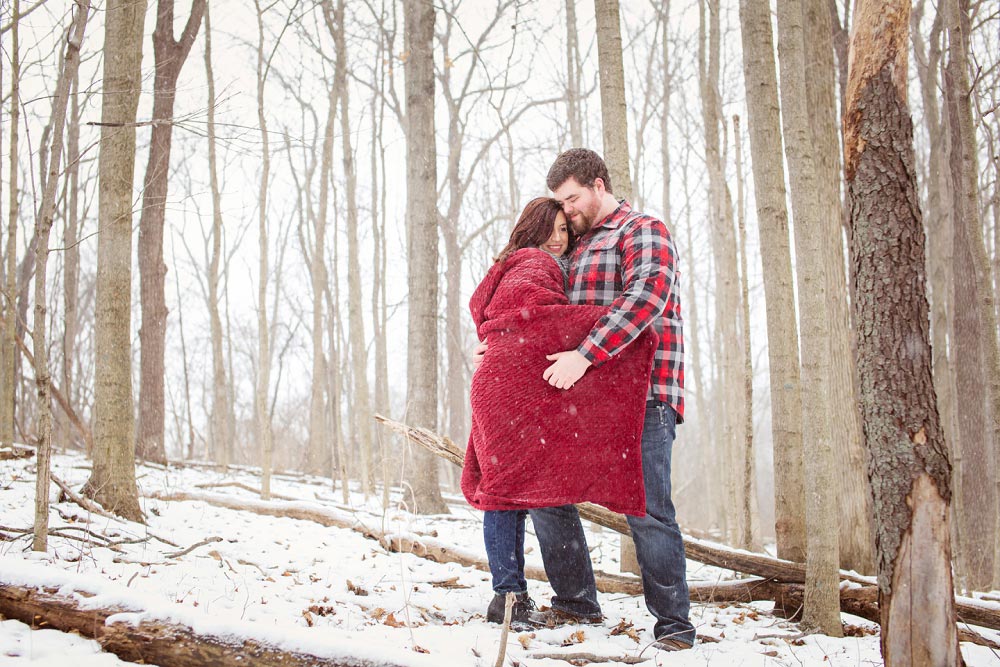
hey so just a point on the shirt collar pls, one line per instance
(616, 217)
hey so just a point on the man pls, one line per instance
(626, 260)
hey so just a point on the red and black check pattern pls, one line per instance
(628, 262)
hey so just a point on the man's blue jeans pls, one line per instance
(658, 543)
(503, 532)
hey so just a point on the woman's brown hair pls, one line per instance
(534, 227)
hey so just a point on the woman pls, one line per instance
(533, 445)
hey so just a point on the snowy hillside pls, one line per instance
(330, 591)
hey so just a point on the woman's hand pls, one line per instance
(478, 355)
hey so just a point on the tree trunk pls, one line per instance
(379, 251)
(748, 497)
(112, 480)
(169, 56)
(975, 314)
(908, 460)
(574, 110)
(822, 606)
(221, 447)
(782, 329)
(8, 371)
(318, 460)
(43, 226)
(261, 403)
(854, 501)
(71, 235)
(424, 495)
(614, 112)
(161, 641)
(361, 400)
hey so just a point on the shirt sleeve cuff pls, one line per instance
(593, 353)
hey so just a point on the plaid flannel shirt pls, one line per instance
(628, 261)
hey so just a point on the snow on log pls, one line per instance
(138, 630)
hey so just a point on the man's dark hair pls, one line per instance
(582, 164)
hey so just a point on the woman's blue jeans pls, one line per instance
(503, 532)
(658, 542)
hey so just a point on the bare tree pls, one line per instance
(574, 110)
(112, 480)
(614, 111)
(822, 593)
(854, 500)
(908, 459)
(71, 250)
(361, 399)
(220, 445)
(8, 371)
(748, 497)
(424, 495)
(782, 329)
(975, 314)
(43, 226)
(169, 55)
(727, 290)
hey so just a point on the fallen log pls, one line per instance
(860, 601)
(138, 635)
(702, 551)
(421, 546)
(772, 570)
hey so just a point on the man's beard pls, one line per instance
(584, 220)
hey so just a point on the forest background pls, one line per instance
(276, 315)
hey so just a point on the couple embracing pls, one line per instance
(577, 391)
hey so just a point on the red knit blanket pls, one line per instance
(536, 446)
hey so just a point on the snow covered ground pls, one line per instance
(331, 591)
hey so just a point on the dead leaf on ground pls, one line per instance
(354, 588)
(627, 629)
(577, 637)
(525, 639)
(420, 649)
(378, 613)
(309, 619)
(322, 610)
(393, 622)
(859, 630)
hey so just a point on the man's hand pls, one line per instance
(478, 355)
(568, 368)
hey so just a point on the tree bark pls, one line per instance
(854, 501)
(43, 227)
(424, 494)
(574, 104)
(169, 56)
(220, 447)
(361, 400)
(975, 314)
(782, 329)
(729, 387)
(8, 371)
(112, 480)
(908, 460)
(614, 111)
(261, 403)
(748, 497)
(154, 640)
(71, 235)
(822, 608)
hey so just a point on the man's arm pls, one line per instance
(648, 268)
